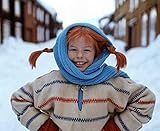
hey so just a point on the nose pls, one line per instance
(80, 54)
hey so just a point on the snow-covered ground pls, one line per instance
(15, 71)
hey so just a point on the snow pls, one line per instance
(143, 67)
(48, 7)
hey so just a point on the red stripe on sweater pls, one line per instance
(102, 101)
(20, 100)
(61, 99)
(85, 101)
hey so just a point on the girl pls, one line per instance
(85, 94)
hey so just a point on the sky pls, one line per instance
(70, 11)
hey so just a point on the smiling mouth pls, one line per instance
(80, 64)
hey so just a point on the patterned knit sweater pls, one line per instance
(130, 104)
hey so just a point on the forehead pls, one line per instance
(82, 41)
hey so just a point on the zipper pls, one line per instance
(80, 97)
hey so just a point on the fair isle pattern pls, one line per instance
(32, 118)
(134, 95)
(23, 110)
(85, 101)
(136, 110)
(134, 98)
(66, 82)
(51, 83)
(26, 92)
(117, 89)
(76, 119)
(19, 114)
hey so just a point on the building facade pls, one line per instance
(28, 20)
(135, 21)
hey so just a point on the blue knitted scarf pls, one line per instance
(96, 73)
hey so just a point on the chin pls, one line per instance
(82, 69)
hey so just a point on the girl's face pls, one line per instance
(81, 52)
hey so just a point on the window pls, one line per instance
(38, 14)
(40, 33)
(34, 11)
(47, 34)
(117, 4)
(18, 30)
(17, 8)
(136, 3)
(123, 27)
(42, 16)
(116, 32)
(6, 29)
(119, 28)
(47, 19)
(120, 2)
(29, 7)
(144, 30)
(5, 5)
(153, 17)
(131, 5)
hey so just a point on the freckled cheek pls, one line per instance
(91, 56)
(71, 55)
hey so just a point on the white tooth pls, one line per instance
(79, 63)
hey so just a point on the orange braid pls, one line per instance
(121, 59)
(34, 56)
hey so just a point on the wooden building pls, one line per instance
(28, 20)
(137, 22)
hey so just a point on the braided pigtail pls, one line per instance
(121, 59)
(34, 56)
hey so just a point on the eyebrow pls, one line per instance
(84, 46)
(71, 46)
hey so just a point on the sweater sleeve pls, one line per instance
(22, 102)
(138, 110)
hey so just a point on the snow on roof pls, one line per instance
(50, 9)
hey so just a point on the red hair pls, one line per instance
(91, 36)
(34, 56)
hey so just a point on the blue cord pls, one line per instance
(80, 98)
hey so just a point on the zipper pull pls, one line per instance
(80, 97)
